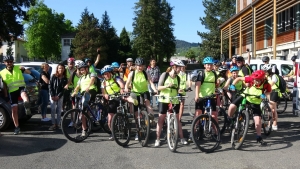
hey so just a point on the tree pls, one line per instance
(44, 31)
(88, 37)
(190, 54)
(9, 50)
(217, 12)
(11, 14)
(125, 50)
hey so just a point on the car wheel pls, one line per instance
(4, 119)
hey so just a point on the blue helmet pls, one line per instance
(234, 68)
(106, 68)
(115, 65)
(208, 60)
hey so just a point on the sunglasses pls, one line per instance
(9, 61)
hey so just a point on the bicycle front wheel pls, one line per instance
(206, 135)
(143, 128)
(267, 120)
(172, 132)
(281, 105)
(121, 129)
(71, 125)
(240, 129)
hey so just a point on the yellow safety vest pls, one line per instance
(169, 92)
(85, 82)
(182, 85)
(13, 79)
(208, 87)
(140, 83)
(111, 86)
(255, 92)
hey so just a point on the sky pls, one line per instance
(186, 14)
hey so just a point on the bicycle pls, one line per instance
(94, 114)
(170, 127)
(205, 129)
(267, 117)
(282, 103)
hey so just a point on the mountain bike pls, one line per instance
(267, 117)
(282, 103)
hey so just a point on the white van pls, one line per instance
(296, 89)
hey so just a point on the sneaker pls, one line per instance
(261, 141)
(53, 127)
(71, 124)
(183, 141)
(111, 138)
(44, 119)
(190, 139)
(274, 128)
(157, 143)
(136, 137)
(17, 131)
(47, 119)
(84, 133)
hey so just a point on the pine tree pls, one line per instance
(125, 50)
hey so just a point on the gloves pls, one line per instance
(232, 87)
(263, 96)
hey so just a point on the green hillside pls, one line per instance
(182, 47)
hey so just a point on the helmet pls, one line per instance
(267, 67)
(178, 62)
(218, 63)
(115, 65)
(240, 58)
(105, 69)
(87, 59)
(208, 60)
(71, 60)
(265, 59)
(234, 68)
(234, 56)
(222, 68)
(129, 60)
(78, 62)
(258, 75)
(9, 57)
(139, 61)
(171, 63)
(293, 58)
(82, 65)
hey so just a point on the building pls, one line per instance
(272, 24)
(20, 54)
(66, 41)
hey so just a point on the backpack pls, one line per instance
(178, 79)
(202, 73)
(282, 84)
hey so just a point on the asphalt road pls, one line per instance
(36, 147)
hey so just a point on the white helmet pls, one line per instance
(267, 67)
(178, 62)
(78, 62)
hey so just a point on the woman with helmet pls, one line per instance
(91, 66)
(222, 78)
(168, 85)
(239, 85)
(115, 70)
(258, 89)
(275, 95)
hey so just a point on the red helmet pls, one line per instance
(258, 75)
(70, 60)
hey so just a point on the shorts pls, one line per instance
(14, 96)
(201, 105)
(163, 108)
(67, 94)
(112, 106)
(144, 96)
(274, 96)
(255, 107)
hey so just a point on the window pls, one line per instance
(286, 69)
(67, 42)
(286, 20)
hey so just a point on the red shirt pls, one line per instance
(267, 87)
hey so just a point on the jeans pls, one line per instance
(56, 107)
(44, 101)
(151, 91)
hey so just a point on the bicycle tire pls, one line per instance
(225, 123)
(237, 135)
(191, 108)
(172, 133)
(281, 105)
(199, 133)
(121, 129)
(267, 120)
(144, 129)
(74, 133)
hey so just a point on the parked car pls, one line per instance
(5, 109)
(194, 74)
(37, 66)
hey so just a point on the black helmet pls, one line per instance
(87, 59)
(139, 61)
(82, 65)
(9, 57)
(240, 58)
(294, 58)
(234, 56)
(265, 59)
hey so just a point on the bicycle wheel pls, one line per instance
(172, 132)
(192, 108)
(225, 124)
(74, 132)
(281, 105)
(267, 120)
(143, 129)
(240, 129)
(205, 136)
(121, 129)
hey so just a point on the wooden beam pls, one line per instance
(221, 42)
(240, 51)
(229, 36)
(274, 29)
(254, 34)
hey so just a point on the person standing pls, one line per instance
(69, 72)
(14, 86)
(154, 72)
(44, 81)
(57, 84)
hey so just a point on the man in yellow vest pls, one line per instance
(15, 85)
(69, 88)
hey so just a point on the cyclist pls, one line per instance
(275, 95)
(222, 78)
(169, 87)
(115, 70)
(127, 68)
(239, 85)
(265, 59)
(217, 64)
(291, 76)
(91, 66)
(14, 86)
(205, 85)
(183, 80)
(245, 70)
(259, 86)
(87, 88)
(69, 88)
(139, 80)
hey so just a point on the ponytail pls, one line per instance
(169, 69)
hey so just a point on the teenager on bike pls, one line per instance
(239, 85)
(183, 80)
(258, 89)
(222, 78)
(275, 95)
(169, 88)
